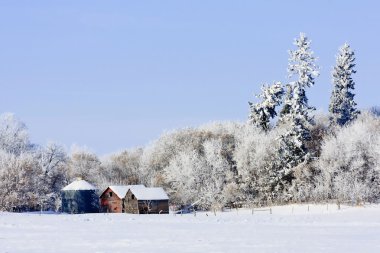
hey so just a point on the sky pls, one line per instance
(113, 75)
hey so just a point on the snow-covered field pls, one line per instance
(288, 229)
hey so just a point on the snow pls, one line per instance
(152, 193)
(121, 190)
(288, 229)
(79, 185)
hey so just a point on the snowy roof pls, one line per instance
(156, 193)
(121, 190)
(79, 185)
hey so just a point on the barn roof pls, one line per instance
(79, 185)
(121, 190)
(153, 193)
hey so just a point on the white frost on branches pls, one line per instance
(14, 137)
(350, 163)
(265, 110)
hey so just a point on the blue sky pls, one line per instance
(115, 74)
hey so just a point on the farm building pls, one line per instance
(80, 197)
(112, 199)
(146, 201)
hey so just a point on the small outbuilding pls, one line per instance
(146, 201)
(112, 198)
(80, 197)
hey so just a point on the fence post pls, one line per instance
(270, 210)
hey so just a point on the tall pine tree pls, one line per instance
(303, 70)
(342, 106)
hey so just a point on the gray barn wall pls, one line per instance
(82, 201)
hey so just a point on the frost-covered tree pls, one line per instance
(257, 165)
(265, 110)
(17, 180)
(203, 176)
(18, 170)
(296, 117)
(52, 162)
(303, 70)
(26, 182)
(350, 164)
(181, 177)
(14, 137)
(216, 175)
(123, 168)
(157, 156)
(85, 164)
(342, 106)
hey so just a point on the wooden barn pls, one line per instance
(112, 199)
(146, 201)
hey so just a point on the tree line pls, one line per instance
(284, 153)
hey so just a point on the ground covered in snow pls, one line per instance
(288, 229)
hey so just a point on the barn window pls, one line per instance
(133, 196)
(110, 194)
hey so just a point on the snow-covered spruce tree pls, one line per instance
(342, 106)
(263, 111)
(293, 149)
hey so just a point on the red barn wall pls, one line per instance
(111, 204)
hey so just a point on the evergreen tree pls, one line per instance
(303, 69)
(342, 106)
(262, 112)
